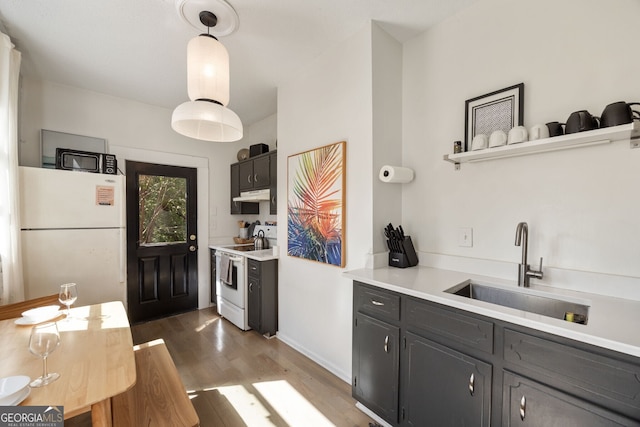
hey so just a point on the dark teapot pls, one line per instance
(580, 121)
(618, 113)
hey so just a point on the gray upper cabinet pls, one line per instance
(254, 173)
(240, 207)
(273, 183)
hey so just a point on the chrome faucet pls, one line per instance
(524, 272)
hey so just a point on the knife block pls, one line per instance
(406, 258)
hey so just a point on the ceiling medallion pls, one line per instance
(228, 21)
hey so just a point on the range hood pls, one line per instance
(253, 196)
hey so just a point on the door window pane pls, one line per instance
(163, 209)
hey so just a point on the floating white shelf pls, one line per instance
(630, 132)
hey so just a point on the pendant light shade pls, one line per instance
(207, 69)
(206, 116)
(207, 121)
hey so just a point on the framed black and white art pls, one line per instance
(499, 110)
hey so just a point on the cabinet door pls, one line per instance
(443, 387)
(273, 183)
(246, 175)
(528, 403)
(261, 172)
(240, 207)
(254, 301)
(376, 365)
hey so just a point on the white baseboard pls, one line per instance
(344, 376)
(372, 415)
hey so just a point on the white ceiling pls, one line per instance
(136, 49)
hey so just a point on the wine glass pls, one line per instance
(68, 295)
(44, 339)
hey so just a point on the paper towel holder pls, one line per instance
(388, 172)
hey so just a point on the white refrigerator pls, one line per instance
(73, 230)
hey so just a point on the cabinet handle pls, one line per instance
(523, 407)
(255, 178)
(472, 381)
(250, 287)
(386, 344)
(273, 200)
(378, 303)
(249, 179)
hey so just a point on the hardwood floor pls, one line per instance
(238, 378)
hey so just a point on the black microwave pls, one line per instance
(75, 160)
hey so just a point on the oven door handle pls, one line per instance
(236, 258)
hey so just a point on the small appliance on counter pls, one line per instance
(402, 254)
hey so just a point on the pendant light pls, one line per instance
(206, 116)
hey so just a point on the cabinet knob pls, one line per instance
(386, 344)
(523, 407)
(472, 381)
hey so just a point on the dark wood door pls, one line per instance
(162, 262)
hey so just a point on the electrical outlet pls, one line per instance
(465, 237)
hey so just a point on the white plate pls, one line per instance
(35, 321)
(21, 397)
(11, 387)
(41, 311)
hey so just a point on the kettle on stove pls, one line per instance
(260, 242)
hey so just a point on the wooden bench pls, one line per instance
(158, 398)
(11, 311)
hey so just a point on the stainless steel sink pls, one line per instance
(524, 300)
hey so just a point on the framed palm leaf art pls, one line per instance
(316, 204)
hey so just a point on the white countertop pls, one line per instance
(262, 255)
(613, 323)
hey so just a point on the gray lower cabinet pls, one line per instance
(529, 403)
(458, 369)
(263, 296)
(443, 387)
(376, 365)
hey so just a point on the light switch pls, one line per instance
(465, 237)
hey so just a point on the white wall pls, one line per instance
(330, 101)
(581, 205)
(141, 128)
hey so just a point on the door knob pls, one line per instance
(192, 248)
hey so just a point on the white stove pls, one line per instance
(231, 278)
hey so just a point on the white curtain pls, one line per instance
(10, 259)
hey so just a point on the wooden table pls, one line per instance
(95, 360)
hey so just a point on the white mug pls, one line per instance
(497, 138)
(517, 134)
(538, 132)
(479, 142)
